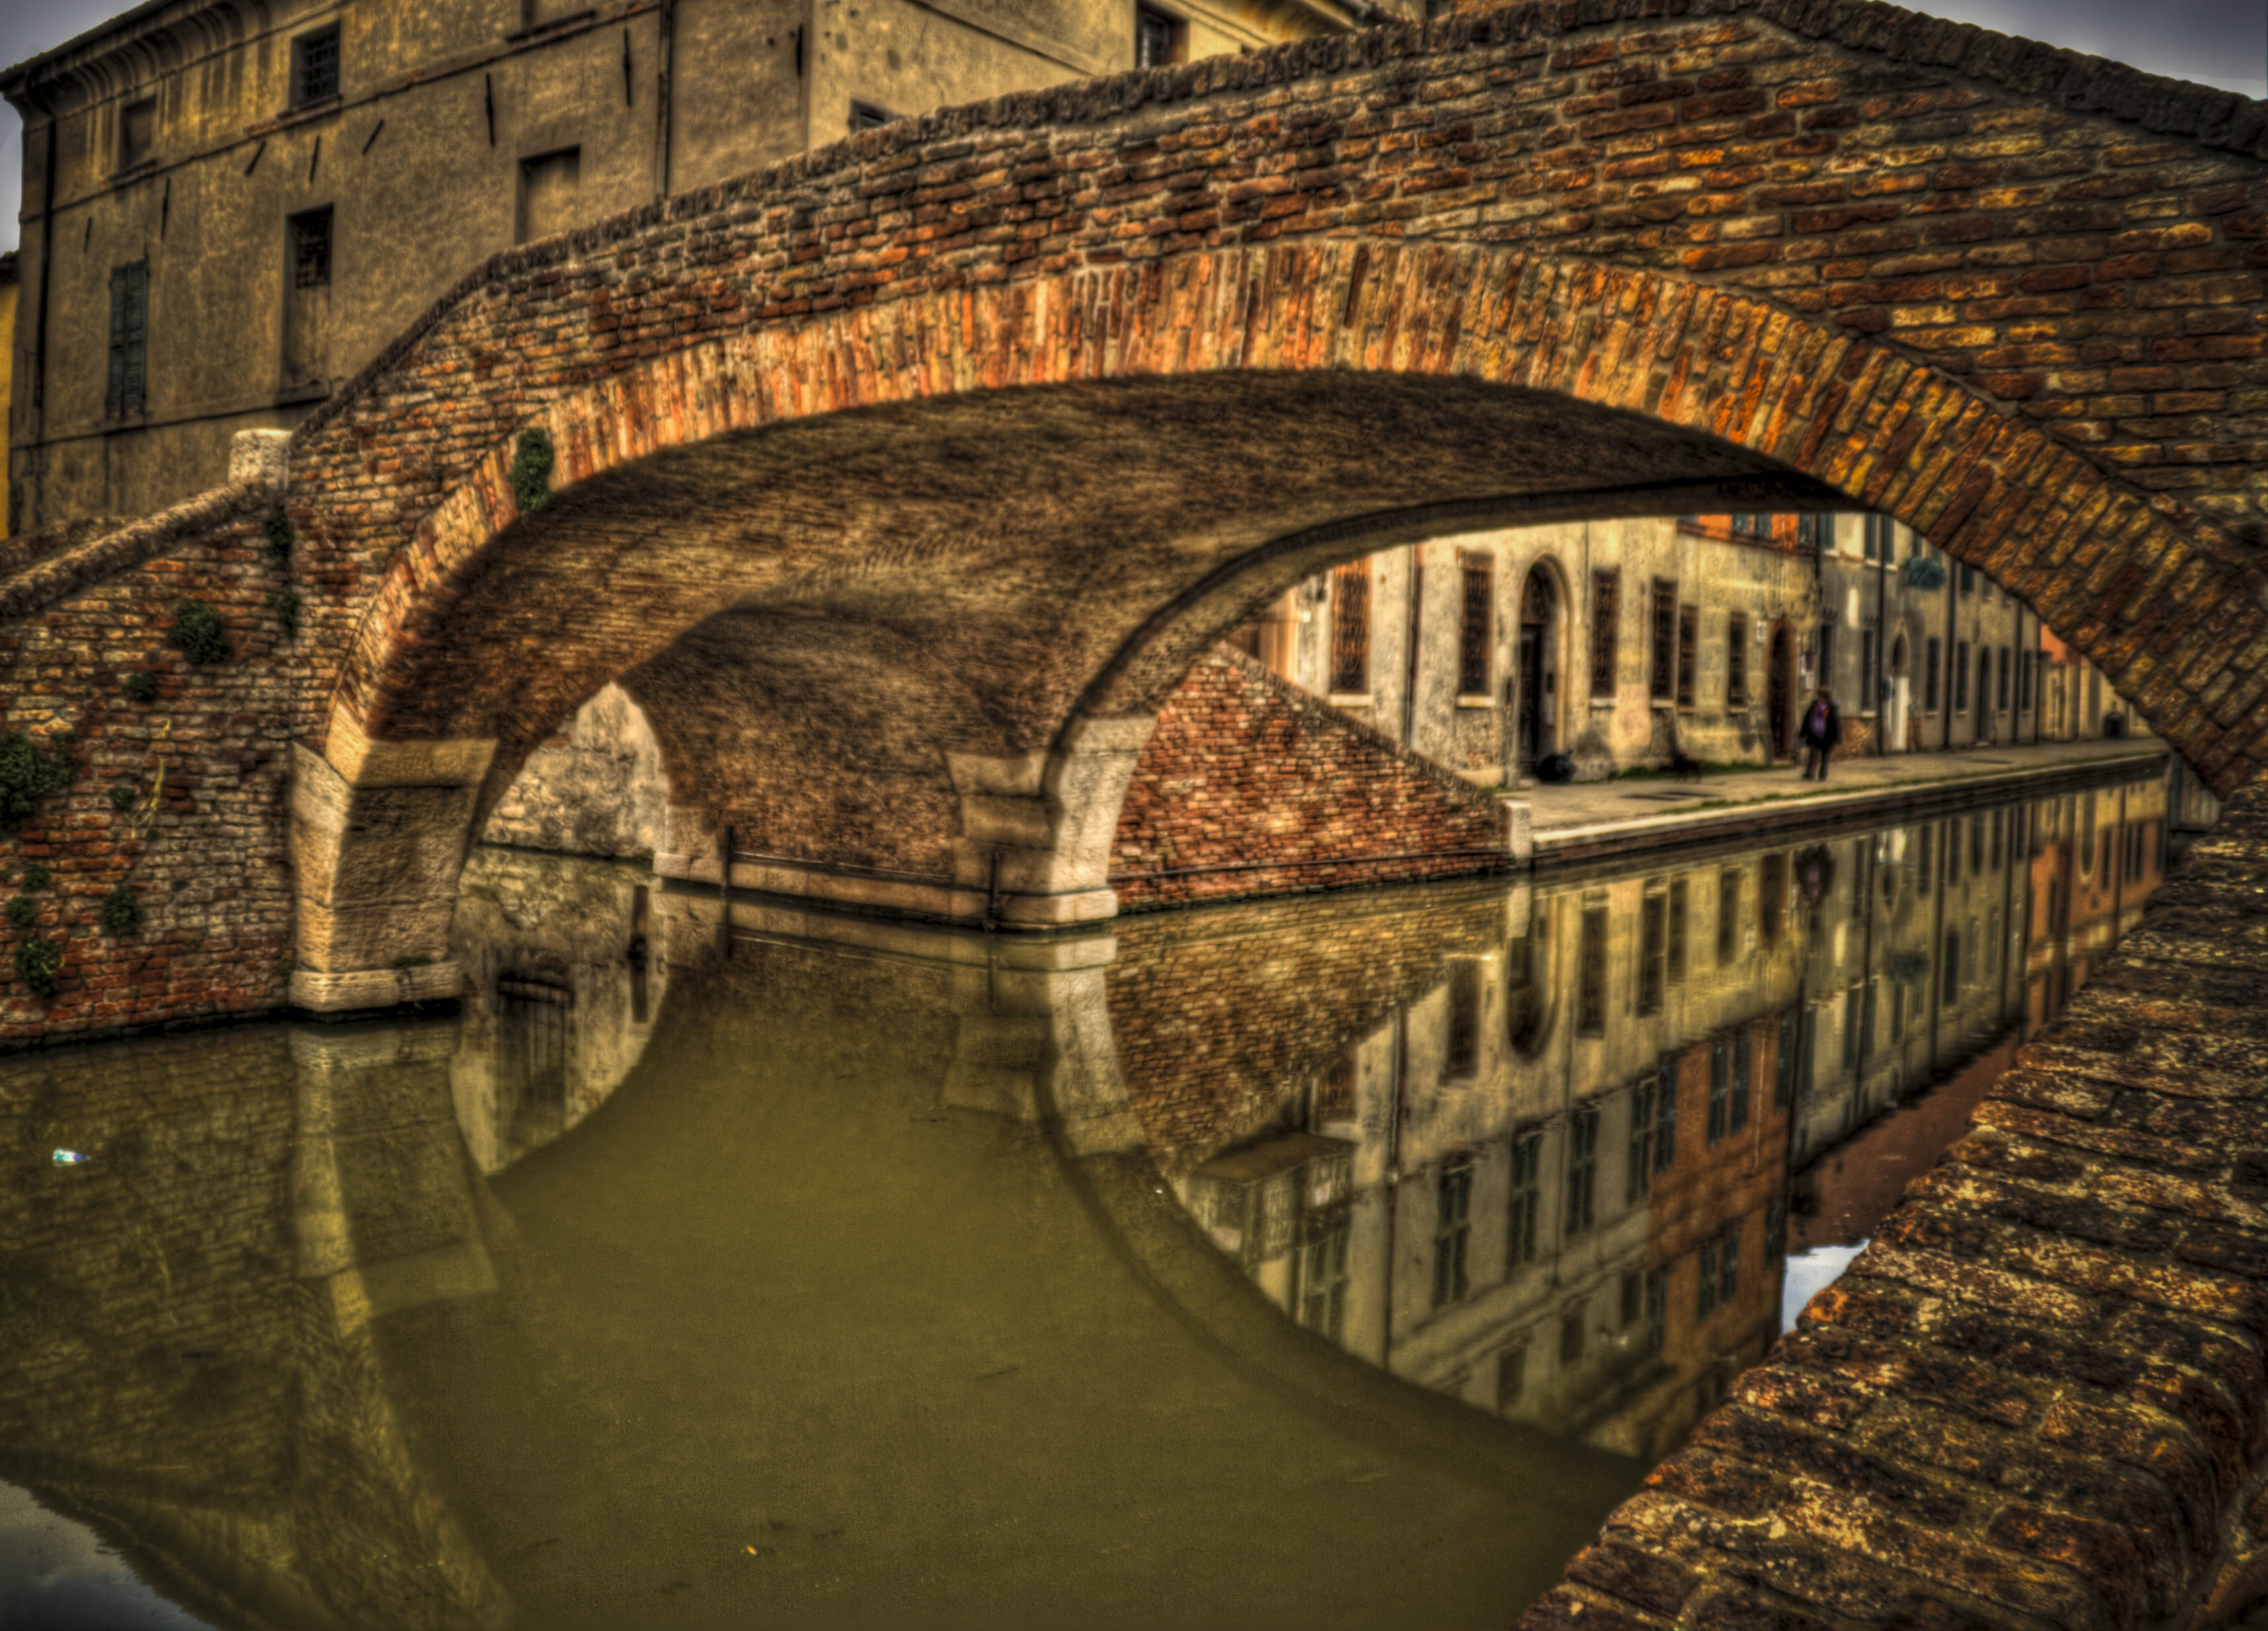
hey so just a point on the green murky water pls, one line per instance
(1332, 1262)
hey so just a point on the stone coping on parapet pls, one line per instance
(1785, 811)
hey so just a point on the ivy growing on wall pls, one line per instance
(121, 911)
(531, 463)
(199, 634)
(286, 605)
(140, 687)
(39, 962)
(279, 534)
(29, 773)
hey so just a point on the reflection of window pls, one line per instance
(1743, 1076)
(531, 1041)
(1729, 916)
(1453, 1230)
(1591, 993)
(1524, 1217)
(1851, 1029)
(1720, 1270)
(1640, 1168)
(1350, 627)
(1461, 1056)
(1771, 895)
(1977, 843)
(1335, 1093)
(1582, 1170)
(1573, 1328)
(1925, 858)
(1657, 1310)
(1511, 1375)
(1665, 1116)
(1323, 1282)
(1653, 951)
(1784, 1062)
(1720, 1089)
(1677, 929)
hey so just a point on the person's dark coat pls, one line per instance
(1827, 732)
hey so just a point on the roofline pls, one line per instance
(16, 77)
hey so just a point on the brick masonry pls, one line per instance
(1245, 770)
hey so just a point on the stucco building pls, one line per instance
(228, 208)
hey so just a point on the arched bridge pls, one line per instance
(900, 481)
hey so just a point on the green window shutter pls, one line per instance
(137, 334)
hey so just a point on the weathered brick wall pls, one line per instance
(2037, 1396)
(1251, 787)
(206, 768)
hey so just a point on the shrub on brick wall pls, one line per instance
(199, 634)
(29, 774)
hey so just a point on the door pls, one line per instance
(1781, 696)
(1531, 696)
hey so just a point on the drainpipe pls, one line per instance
(668, 29)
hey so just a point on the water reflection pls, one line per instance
(1559, 1183)
(726, 1266)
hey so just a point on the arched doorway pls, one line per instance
(1780, 691)
(1539, 668)
(1894, 722)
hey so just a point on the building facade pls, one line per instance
(229, 207)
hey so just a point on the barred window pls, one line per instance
(1665, 639)
(1350, 627)
(1478, 633)
(1689, 635)
(315, 66)
(129, 340)
(1736, 661)
(1582, 1170)
(1605, 602)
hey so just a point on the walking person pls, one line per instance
(1821, 730)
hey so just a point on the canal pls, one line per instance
(1334, 1261)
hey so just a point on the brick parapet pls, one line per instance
(82, 555)
(2037, 1397)
(1250, 786)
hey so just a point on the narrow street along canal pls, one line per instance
(1337, 1261)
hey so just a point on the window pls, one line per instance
(1460, 1055)
(1950, 986)
(2006, 658)
(1720, 1270)
(867, 117)
(1705, 1302)
(308, 301)
(1323, 1282)
(1729, 916)
(1826, 656)
(315, 66)
(1605, 602)
(1582, 1170)
(1879, 542)
(2028, 662)
(1350, 627)
(1967, 579)
(1751, 526)
(1524, 1218)
(1632, 1290)
(1657, 1311)
(1851, 1028)
(1572, 1330)
(1984, 679)
(1870, 673)
(137, 127)
(1453, 1231)
(1665, 640)
(1809, 529)
(1653, 951)
(129, 340)
(1477, 633)
(1591, 975)
(1638, 1170)
(1689, 635)
(1161, 39)
(1784, 1061)
(549, 186)
(1677, 896)
(1736, 661)
(1929, 675)
(1960, 675)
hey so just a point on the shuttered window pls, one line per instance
(1665, 639)
(1350, 627)
(129, 340)
(1736, 661)
(1478, 629)
(1689, 635)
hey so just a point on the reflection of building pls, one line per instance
(1557, 1183)
(200, 168)
(563, 981)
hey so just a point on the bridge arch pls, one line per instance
(1178, 441)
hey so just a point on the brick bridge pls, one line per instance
(900, 483)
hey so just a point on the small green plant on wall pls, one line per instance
(29, 774)
(21, 911)
(286, 605)
(199, 634)
(121, 797)
(531, 463)
(121, 911)
(39, 965)
(279, 535)
(36, 875)
(140, 687)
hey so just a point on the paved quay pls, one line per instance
(1582, 820)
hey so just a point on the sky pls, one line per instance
(2217, 42)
